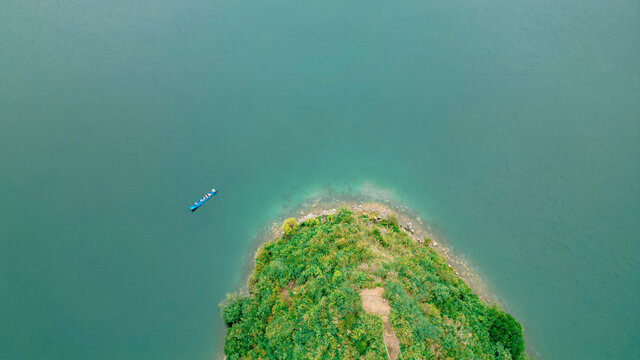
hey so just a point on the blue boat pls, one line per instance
(206, 197)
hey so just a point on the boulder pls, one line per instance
(409, 227)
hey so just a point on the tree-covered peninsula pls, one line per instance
(357, 286)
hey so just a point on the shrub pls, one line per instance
(311, 222)
(343, 215)
(441, 294)
(391, 222)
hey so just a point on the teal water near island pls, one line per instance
(514, 126)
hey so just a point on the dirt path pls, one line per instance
(374, 303)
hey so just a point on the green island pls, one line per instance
(358, 286)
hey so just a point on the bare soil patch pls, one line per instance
(374, 303)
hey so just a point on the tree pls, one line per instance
(232, 311)
(289, 225)
(507, 331)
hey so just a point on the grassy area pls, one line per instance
(303, 300)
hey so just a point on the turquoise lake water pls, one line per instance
(513, 126)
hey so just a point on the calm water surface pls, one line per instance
(512, 125)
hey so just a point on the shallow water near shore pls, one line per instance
(512, 127)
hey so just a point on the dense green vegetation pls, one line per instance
(303, 300)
